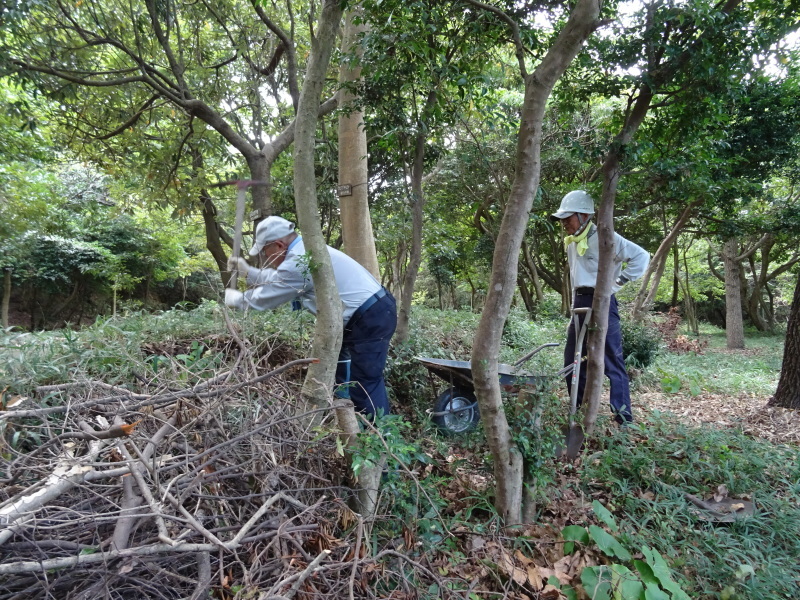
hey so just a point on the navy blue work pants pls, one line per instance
(365, 346)
(614, 361)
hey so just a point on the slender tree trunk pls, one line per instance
(734, 325)
(688, 300)
(507, 459)
(676, 277)
(328, 333)
(417, 218)
(787, 395)
(647, 290)
(595, 348)
(531, 264)
(359, 241)
(6, 295)
(320, 378)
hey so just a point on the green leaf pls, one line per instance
(653, 592)
(569, 592)
(662, 571)
(596, 582)
(645, 572)
(608, 543)
(744, 571)
(604, 515)
(625, 584)
(571, 534)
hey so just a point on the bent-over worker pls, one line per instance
(583, 254)
(369, 310)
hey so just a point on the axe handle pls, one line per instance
(241, 198)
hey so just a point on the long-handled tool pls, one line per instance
(241, 199)
(574, 437)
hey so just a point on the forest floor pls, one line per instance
(747, 412)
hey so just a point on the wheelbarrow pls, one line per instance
(456, 408)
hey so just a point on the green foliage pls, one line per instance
(641, 343)
(754, 557)
(754, 373)
(652, 580)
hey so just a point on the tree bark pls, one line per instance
(658, 74)
(647, 290)
(359, 241)
(417, 204)
(6, 295)
(787, 395)
(508, 461)
(595, 347)
(319, 380)
(734, 325)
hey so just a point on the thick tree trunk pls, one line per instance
(260, 165)
(213, 239)
(787, 395)
(734, 325)
(359, 241)
(508, 462)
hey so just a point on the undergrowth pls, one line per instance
(646, 473)
(436, 486)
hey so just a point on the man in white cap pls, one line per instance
(370, 313)
(583, 254)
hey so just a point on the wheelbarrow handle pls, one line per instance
(531, 354)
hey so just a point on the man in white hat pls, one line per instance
(370, 313)
(583, 254)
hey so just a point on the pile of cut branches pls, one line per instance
(183, 493)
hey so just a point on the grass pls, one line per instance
(755, 558)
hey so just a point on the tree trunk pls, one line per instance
(595, 347)
(6, 295)
(734, 326)
(647, 290)
(787, 395)
(359, 241)
(319, 380)
(688, 302)
(507, 459)
(417, 205)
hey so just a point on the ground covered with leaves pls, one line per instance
(168, 448)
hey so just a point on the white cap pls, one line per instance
(577, 201)
(270, 229)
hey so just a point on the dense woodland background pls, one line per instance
(433, 146)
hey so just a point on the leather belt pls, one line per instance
(367, 304)
(584, 291)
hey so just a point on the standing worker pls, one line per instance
(370, 313)
(583, 254)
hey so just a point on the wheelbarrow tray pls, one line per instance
(459, 373)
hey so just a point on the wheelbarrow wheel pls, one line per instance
(456, 411)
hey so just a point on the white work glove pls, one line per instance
(621, 280)
(234, 298)
(238, 264)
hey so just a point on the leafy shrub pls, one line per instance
(640, 343)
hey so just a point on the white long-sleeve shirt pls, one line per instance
(583, 269)
(269, 288)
